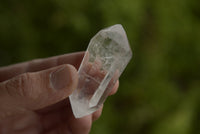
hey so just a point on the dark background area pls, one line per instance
(159, 91)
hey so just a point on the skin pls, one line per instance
(30, 105)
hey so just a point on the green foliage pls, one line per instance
(159, 91)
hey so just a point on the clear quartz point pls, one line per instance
(106, 57)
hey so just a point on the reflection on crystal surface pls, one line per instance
(106, 57)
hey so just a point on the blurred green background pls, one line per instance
(160, 89)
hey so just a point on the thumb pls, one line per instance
(38, 89)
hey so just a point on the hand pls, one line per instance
(34, 97)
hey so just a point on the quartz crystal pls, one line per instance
(106, 57)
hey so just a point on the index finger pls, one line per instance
(10, 71)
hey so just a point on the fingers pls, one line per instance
(81, 125)
(97, 114)
(67, 122)
(37, 90)
(74, 126)
(115, 88)
(61, 129)
(51, 119)
(40, 64)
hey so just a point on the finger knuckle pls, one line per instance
(21, 86)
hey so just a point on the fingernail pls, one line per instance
(61, 78)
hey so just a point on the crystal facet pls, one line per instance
(106, 57)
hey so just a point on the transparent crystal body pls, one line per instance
(106, 57)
